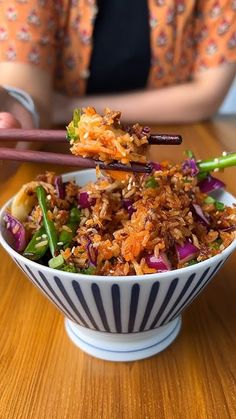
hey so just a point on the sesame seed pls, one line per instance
(216, 169)
(38, 238)
(73, 249)
(44, 236)
(49, 197)
(66, 228)
(41, 244)
(60, 243)
(216, 160)
(96, 244)
(15, 229)
(224, 153)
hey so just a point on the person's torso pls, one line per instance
(159, 52)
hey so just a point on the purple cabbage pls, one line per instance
(155, 165)
(128, 205)
(160, 263)
(92, 253)
(85, 201)
(210, 184)
(190, 166)
(199, 212)
(16, 231)
(146, 130)
(230, 228)
(186, 252)
(60, 187)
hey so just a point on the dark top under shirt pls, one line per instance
(121, 47)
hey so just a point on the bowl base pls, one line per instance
(123, 346)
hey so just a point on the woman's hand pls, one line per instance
(7, 120)
(10, 113)
(37, 84)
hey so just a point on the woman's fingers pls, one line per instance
(7, 120)
(7, 168)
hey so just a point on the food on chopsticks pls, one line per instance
(104, 138)
(140, 224)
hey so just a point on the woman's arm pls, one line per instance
(189, 102)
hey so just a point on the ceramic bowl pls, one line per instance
(121, 318)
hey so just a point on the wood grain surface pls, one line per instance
(43, 375)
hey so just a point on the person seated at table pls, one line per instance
(159, 61)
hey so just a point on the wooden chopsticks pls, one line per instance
(68, 160)
(44, 135)
(64, 159)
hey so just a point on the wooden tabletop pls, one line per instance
(43, 375)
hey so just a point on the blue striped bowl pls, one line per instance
(121, 318)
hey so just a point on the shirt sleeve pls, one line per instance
(27, 32)
(215, 33)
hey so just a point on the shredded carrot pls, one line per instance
(103, 137)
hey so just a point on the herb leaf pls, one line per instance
(76, 117)
(151, 183)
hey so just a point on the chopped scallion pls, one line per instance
(69, 268)
(219, 206)
(151, 183)
(209, 200)
(216, 244)
(202, 175)
(189, 154)
(89, 271)
(56, 262)
(191, 262)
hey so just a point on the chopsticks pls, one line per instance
(68, 160)
(54, 136)
(44, 135)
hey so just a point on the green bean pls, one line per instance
(66, 236)
(37, 246)
(217, 163)
(48, 224)
(75, 215)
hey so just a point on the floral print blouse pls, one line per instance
(187, 36)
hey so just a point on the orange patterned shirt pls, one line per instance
(186, 36)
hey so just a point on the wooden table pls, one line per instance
(43, 375)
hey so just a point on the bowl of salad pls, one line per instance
(122, 255)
